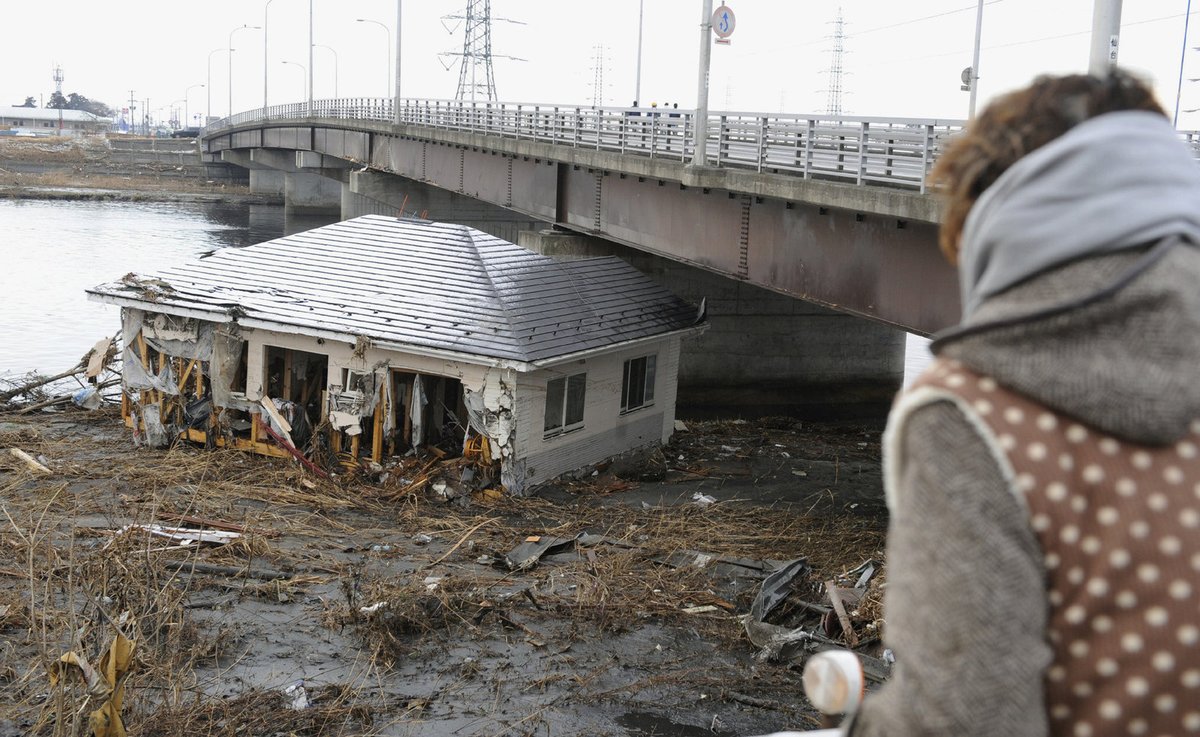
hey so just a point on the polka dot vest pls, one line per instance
(1119, 528)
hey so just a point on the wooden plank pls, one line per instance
(269, 406)
(377, 434)
(831, 588)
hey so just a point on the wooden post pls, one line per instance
(377, 429)
(286, 393)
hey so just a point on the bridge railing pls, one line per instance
(858, 150)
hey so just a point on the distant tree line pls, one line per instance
(73, 101)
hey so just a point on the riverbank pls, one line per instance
(288, 603)
(118, 169)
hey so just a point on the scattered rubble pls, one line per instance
(269, 600)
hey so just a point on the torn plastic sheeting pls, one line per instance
(226, 358)
(389, 402)
(105, 682)
(347, 422)
(172, 342)
(187, 535)
(137, 377)
(527, 554)
(156, 433)
(416, 412)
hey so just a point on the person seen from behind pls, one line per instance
(1043, 475)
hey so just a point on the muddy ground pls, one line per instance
(393, 612)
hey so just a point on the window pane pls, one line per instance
(576, 385)
(637, 382)
(554, 403)
(625, 387)
(650, 371)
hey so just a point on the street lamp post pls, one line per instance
(335, 66)
(186, 117)
(265, 65)
(303, 69)
(208, 107)
(230, 47)
(388, 33)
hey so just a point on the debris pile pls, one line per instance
(94, 373)
(263, 599)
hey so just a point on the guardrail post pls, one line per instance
(578, 127)
(808, 148)
(762, 142)
(926, 155)
(863, 133)
(722, 139)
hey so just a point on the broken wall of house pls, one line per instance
(606, 431)
(167, 373)
(491, 408)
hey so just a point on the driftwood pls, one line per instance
(65, 399)
(29, 461)
(40, 382)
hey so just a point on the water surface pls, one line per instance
(52, 250)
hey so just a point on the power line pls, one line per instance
(1044, 38)
(898, 24)
(923, 18)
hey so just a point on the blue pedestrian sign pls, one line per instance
(723, 21)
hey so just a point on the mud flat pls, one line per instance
(263, 600)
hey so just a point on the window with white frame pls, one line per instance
(564, 403)
(637, 386)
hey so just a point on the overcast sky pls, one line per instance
(903, 59)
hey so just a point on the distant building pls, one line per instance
(39, 121)
(381, 336)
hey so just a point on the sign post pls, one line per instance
(720, 22)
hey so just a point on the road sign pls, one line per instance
(723, 21)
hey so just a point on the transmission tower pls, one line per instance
(598, 77)
(475, 77)
(833, 97)
(58, 80)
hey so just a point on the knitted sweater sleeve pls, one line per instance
(965, 607)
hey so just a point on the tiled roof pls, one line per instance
(419, 283)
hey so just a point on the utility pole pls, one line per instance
(396, 102)
(1182, 57)
(700, 117)
(637, 87)
(132, 107)
(310, 58)
(1106, 35)
(975, 61)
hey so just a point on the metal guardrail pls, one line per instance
(861, 150)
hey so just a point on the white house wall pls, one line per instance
(605, 432)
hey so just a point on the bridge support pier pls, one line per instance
(765, 353)
(377, 193)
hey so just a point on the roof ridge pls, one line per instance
(509, 319)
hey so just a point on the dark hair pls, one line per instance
(1017, 124)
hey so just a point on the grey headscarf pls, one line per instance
(1115, 181)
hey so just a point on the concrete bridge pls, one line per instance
(833, 212)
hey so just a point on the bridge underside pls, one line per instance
(882, 266)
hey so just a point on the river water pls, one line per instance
(52, 250)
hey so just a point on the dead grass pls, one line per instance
(65, 583)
